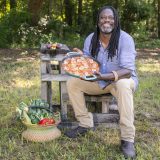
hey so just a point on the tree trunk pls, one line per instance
(34, 8)
(3, 6)
(68, 12)
(95, 12)
(50, 7)
(13, 4)
(158, 18)
(79, 12)
(117, 4)
(61, 9)
(126, 17)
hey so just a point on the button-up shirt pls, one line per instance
(125, 58)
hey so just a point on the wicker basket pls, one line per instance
(38, 133)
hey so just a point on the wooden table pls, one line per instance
(47, 77)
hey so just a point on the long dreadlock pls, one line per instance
(113, 43)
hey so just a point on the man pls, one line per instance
(115, 50)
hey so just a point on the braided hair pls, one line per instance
(113, 42)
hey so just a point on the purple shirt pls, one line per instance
(125, 59)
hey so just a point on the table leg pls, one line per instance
(63, 104)
(46, 87)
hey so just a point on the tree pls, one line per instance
(3, 5)
(68, 12)
(79, 12)
(133, 13)
(158, 19)
(50, 7)
(13, 4)
(34, 8)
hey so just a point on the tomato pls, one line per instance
(46, 121)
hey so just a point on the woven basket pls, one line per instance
(39, 133)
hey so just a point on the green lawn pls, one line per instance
(20, 81)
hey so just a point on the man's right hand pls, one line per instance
(77, 50)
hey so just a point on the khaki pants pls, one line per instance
(122, 90)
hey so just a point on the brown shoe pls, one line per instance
(128, 149)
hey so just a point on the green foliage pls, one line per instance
(133, 14)
(4, 34)
(57, 27)
(137, 18)
(147, 43)
(136, 11)
(9, 26)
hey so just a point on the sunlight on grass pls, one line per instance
(149, 65)
(20, 81)
(150, 68)
(147, 99)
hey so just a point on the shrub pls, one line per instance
(9, 25)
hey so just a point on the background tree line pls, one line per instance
(31, 22)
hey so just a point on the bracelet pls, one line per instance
(115, 76)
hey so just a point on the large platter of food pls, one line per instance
(78, 65)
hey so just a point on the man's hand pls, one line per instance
(77, 50)
(98, 75)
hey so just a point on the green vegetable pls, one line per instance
(25, 117)
(23, 106)
(38, 110)
(35, 120)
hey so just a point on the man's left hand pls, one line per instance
(98, 75)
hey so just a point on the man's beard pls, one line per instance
(108, 31)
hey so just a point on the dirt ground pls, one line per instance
(13, 54)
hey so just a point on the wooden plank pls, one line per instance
(57, 51)
(71, 125)
(46, 86)
(63, 90)
(105, 106)
(100, 120)
(49, 93)
(48, 57)
(97, 98)
(43, 84)
(107, 125)
(45, 57)
(58, 57)
(58, 77)
(92, 98)
(44, 91)
(105, 118)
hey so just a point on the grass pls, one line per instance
(20, 81)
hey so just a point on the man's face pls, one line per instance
(106, 21)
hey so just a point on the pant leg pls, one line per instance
(123, 91)
(76, 89)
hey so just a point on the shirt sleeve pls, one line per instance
(127, 52)
(86, 46)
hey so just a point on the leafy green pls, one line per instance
(38, 109)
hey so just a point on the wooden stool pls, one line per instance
(105, 99)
